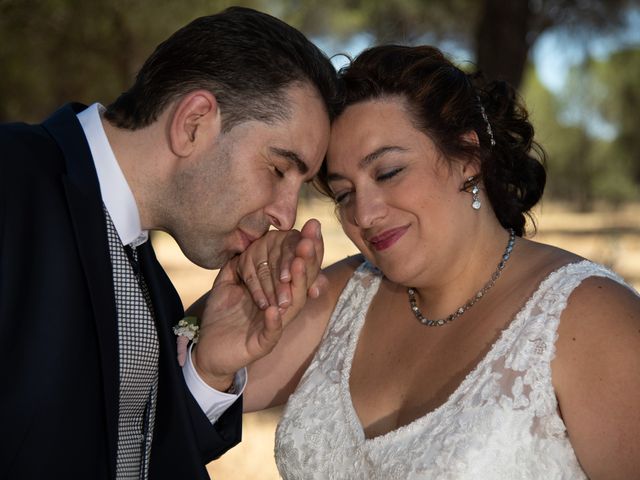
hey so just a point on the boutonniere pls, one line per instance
(186, 331)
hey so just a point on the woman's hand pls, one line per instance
(265, 267)
(237, 327)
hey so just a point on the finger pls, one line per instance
(251, 261)
(283, 292)
(287, 254)
(270, 333)
(268, 269)
(266, 281)
(307, 251)
(312, 247)
(319, 286)
(312, 230)
(251, 278)
(298, 290)
(182, 344)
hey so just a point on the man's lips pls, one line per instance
(384, 240)
(246, 239)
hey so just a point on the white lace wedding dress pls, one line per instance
(501, 423)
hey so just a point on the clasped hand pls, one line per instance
(254, 297)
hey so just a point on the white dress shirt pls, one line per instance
(120, 203)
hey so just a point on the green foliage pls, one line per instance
(55, 51)
(584, 166)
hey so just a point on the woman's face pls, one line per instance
(399, 201)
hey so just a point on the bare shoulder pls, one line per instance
(542, 258)
(596, 374)
(599, 328)
(602, 307)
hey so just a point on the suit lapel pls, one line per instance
(86, 211)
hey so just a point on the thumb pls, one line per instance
(311, 229)
(271, 331)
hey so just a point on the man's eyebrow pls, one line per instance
(293, 158)
(368, 159)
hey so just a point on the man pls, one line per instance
(226, 120)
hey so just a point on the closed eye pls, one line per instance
(390, 174)
(341, 197)
(277, 172)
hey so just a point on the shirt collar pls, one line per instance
(116, 193)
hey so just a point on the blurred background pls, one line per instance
(576, 63)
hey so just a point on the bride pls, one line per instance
(453, 347)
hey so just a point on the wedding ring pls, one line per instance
(262, 264)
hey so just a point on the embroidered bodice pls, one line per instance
(501, 422)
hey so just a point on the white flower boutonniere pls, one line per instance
(187, 331)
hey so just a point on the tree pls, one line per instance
(584, 163)
(500, 33)
(55, 51)
(617, 77)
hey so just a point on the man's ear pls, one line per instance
(195, 121)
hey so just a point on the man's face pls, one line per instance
(247, 181)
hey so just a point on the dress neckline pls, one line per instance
(505, 335)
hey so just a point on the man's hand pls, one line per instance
(237, 327)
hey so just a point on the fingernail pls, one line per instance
(283, 299)
(315, 292)
(263, 304)
(284, 275)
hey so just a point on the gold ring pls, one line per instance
(262, 264)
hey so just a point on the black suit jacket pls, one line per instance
(58, 325)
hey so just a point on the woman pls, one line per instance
(453, 347)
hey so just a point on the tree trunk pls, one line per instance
(502, 45)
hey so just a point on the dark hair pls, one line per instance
(244, 57)
(445, 103)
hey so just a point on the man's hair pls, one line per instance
(247, 59)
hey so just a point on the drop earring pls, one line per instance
(475, 194)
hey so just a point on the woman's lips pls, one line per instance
(387, 238)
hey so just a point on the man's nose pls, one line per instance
(282, 212)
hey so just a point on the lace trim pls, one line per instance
(553, 292)
(500, 422)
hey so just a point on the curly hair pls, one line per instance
(446, 104)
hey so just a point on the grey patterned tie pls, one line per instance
(139, 352)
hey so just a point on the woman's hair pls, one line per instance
(446, 103)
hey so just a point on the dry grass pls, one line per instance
(611, 237)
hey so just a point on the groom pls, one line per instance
(225, 121)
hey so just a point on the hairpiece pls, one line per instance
(486, 120)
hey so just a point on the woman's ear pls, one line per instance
(195, 121)
(470, 166)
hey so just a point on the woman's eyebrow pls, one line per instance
(379, 152)
(369, 158)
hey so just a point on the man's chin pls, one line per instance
(209, 262)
